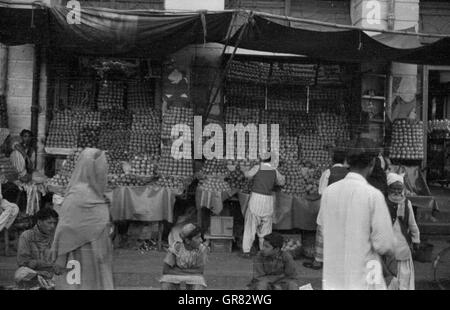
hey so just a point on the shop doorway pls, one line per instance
(438, 112)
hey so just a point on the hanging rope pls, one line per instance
(203, 19)
(360, 45)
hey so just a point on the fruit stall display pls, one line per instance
(61, 178)
(139, 95)
(171, 182)
(234, 115)
(80, 95)
(141, 143)
(286, 104)
(111, 95)
(214, 167)
(242, 89)
(329, 74)
(275, 117)
(289, 148)
(144, 165)
(89, 136)
(244, 94)
(169, 166)
(249, 71)
(290, 73)
(145, 132)
(115, 161)
(301, 179)
(68, 129)
(214, 185)
(439, 125)
(59, 181)
(146, 120)
(300, 123)
(114, 140)
(245, 101)
(316, 148)
(119, 180)
(63, 138)
(407, 140)
(176, 116)
(116, 119)
(236, 177)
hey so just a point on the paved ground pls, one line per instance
(134, 270)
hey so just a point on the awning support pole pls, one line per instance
(228, 36)
(425, 73)
(35, 90)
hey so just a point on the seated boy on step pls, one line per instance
(273, 269)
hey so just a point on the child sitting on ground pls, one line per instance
(185, 261)
(273, 269)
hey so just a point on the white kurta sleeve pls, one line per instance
(252, 172)
(323, 205)
(323, 182)
(413, 228)
(382, 234)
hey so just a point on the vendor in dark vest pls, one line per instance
(336, 173)
(258, 217)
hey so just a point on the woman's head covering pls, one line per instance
(84, 214)
(393, 178)
(91, 169)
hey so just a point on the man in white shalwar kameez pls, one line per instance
(258, 217)
(356, 227)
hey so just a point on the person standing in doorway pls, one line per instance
(336, 173)
(258, 217)
(356, 225)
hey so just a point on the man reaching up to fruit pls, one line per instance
(258, 217)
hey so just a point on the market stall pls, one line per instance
(312, 104)
(110, 105)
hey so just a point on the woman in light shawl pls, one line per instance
(82, 238)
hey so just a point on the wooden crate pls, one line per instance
(220, 244)
(221, 226)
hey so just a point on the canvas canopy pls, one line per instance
(342, 45)
(150, 33)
